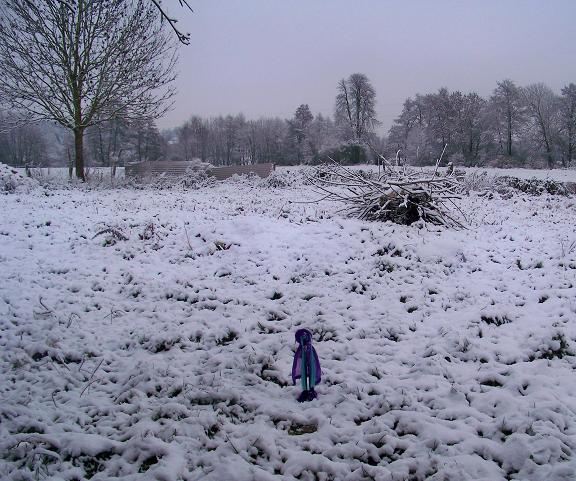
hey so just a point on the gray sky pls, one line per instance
(266, 57)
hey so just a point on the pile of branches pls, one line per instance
(397, 194)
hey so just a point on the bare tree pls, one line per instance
(299, 127)
(355, 109)
(472, 126)
(185, 136)
(83, 62)
(144, 142)
(443, 108)
(542, 107)
(506, 104)
(106, 142)
(193, 139)
(568, 122)
(407, 121)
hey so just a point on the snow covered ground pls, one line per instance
(446, 355)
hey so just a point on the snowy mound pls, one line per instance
(283, 178)
(11, 180)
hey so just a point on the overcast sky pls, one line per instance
(266, 57)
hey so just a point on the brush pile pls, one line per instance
(398, 194)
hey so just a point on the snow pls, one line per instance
(446, 355)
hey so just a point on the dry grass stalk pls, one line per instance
(115, 233)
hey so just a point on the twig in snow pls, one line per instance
(71, 318)
(231, 444)
(90, 381)
(42, 304)
(113, 313)
(47, 312)
(187, 238)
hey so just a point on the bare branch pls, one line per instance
(183, 38)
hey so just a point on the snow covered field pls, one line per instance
(446, 355)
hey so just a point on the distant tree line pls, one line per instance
(235, 140)
(109, 143)
(515, 126)
(23, 145)
(304, 138)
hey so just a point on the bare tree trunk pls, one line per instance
(509, 136)
(114, 162)
(545, 137)
(570, 147)
(70, 164)
(549, 157)
(79, 153)
(356, 154)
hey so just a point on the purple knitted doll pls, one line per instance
(306, 365)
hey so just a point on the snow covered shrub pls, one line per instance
(479, 181)
(149, 232)
(324, 333)
(12, 181)
(198, 176)
(280, 179)
(161, 343)
(532, 186)
(34, 453)
(49, 178)
(227, 338)
(275, 180)
(112, 235)
(95, 177)
(555, 346)
(495, 319)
